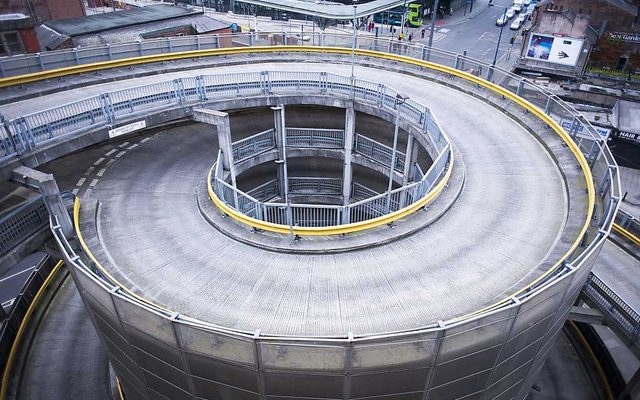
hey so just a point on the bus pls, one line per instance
(394, 16)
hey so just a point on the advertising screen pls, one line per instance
(559, 50)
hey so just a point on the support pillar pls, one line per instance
(632, 388)
(221, 121)
(349, 135)
(281, 139)
(411, 157)
(47, 185)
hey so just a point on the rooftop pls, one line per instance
(103, 22)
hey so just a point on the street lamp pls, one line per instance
(353, 45)
(399, 101)
(504, 20)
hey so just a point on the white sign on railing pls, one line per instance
(121, 130)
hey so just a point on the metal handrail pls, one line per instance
(577, 256)
(22, 222)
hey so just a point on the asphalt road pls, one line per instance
(479, 35)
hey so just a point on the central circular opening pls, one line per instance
(322, 166)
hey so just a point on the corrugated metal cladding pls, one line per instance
(493, 357)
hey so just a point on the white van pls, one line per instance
(518, 5)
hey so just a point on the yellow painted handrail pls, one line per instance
(23, 326)
(628, 235)
(333, 50)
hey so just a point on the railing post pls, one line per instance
(109, 51)
(251, 39)
(381, 93)
(170, 44)
(217, 40)
(39, 56)
(107, 108)
(323, 82)
(457, 62)
(548, 106)
(200, 88)
(198, 47)
(178, 87)
(520, 87)
(76, 55)
(423, 54)
(140, 48)
(284, 39)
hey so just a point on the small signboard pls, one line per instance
(628, 136)
(558, 50)
(121, 130)
(566, 124)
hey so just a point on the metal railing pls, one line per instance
(253, 145)
(622, 314)
(603, 167)
(312, 137)
(378, 152)
(21, 223)
(11, 325)
(547, 298)
(27, 132)
(315, 185)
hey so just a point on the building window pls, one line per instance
(10, 44)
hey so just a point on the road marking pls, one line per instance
(89, 171)
(133, 146)
(145, 139)
(101, 172)
(93, 183)
(482, 36)
(121, 154)
(75, 191)
(81, 182)
(17, 273)
(100, 160)
(110, 152)
(124, 144)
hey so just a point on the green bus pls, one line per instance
(394, 16)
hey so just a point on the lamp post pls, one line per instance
(399, 101)
(353, 45)
(434, 14)
(504, 19)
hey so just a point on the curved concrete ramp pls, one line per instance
(494, 239)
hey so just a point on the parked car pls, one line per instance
(527, 2)
(502, 20)
(511, 12)
(518, 5)
(517, 23)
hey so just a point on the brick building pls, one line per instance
(17, 35)
(44, 10)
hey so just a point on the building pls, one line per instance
(570, 37)
(17, 35)
(128, 26)
(44, 10)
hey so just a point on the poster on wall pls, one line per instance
(559, 50)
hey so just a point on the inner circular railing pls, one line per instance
(367, 207)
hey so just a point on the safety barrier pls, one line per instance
(515, 333)
(622, 314)
(21, 223)
(13, 327)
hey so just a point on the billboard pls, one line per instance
(558, 50)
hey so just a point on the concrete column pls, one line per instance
(281, 145)
(221, 121)
(349, 136)
(411, 156)
(50, 193)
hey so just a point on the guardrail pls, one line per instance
(550, 294)
(622, 314)
(21, 223)
(21, 309)
(316, 216)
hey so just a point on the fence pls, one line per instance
(496, 350)
(21, 223)
(618, 311)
